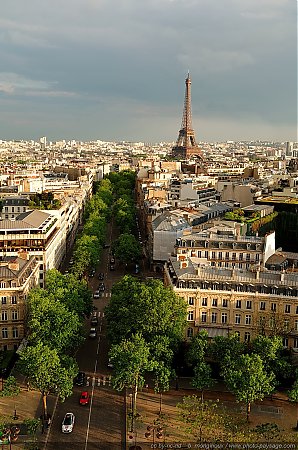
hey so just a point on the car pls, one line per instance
(92, 273)
(112, 267)
(101, 287)
(71, 262)
(96, 294)
(101, 276)
(110, 364)
(94, 320)
(105, 245)
(112, 260)
(84, 399)
(68, 422)
(80, 379)
(92, 333)
(94, 308)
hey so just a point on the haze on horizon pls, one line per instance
(115, 70)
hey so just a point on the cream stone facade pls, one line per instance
(18, 274)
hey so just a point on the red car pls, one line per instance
(84, 399)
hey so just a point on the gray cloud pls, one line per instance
(116, 69)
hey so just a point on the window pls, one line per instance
(14, 315)
(262, 306)
(2, 284)
(206, 254)
(296, 325)
(3, 300)
(273, 307)
(4, 315)
(204, 317)
(13, 300)
(287, 309)
(224, 317)
(4, 333)
(213, 255)
(247, 319)
(248, 304)
(238, 303)
(237, 318)
(258, 257)
(248, 257)
(219, 255)
(15, 332)
(190, 300)
(285, 342)
(189, 332)
(233, 256)
(237, 333)
(296, 309)
(190, 315)
(240, 256)
(214, 302)
(295, 345)
(214, 317)
(204, 301)
(286, 324)
(224, 303)
(227, 255)
(247, 336)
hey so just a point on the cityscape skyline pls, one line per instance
(103, 70)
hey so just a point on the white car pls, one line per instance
(92, 333)
(68, 422)
(96, 294)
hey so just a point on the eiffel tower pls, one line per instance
(186, 146)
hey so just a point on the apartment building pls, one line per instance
(18, 274)
(224, 300)
(38, 233)
(225, 246)
(12, 206)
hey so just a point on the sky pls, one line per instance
(115, 69)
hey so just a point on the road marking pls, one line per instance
(98, 314)
(103, 314)
(100, 329)
(92, 394)
(93, 381)
(48, 435)
(87, 381)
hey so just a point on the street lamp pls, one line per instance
(154, 431)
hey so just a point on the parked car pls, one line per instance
(80, 379)
(92, 333)
(112, 260)
(94, 320)
(96, 294)
(101, 276)
(112, 267)
(84, 399)
(92, 273)
(68, 422)
(101, 286)
(105, 245)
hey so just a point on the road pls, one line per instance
(101, 424)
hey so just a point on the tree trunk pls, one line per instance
(247, 411)
(135, 399)
(202, 396)
(160, 402)
(44, 403)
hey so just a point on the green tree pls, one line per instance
(127, 248)
(52, 323)
(48, 372)
(293, 395)
(248, 380)
(224, 349)
(70, 291)
(202, 419)
(202, 377)
(131, 359)
(149, 308)
(10, 388)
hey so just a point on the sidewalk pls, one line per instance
(278, 411)
(26, 405)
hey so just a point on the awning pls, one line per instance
(212, 332)
(22, 346)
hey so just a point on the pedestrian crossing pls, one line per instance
(100, 380)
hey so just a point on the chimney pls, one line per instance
(23, 254)
(14, 264)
